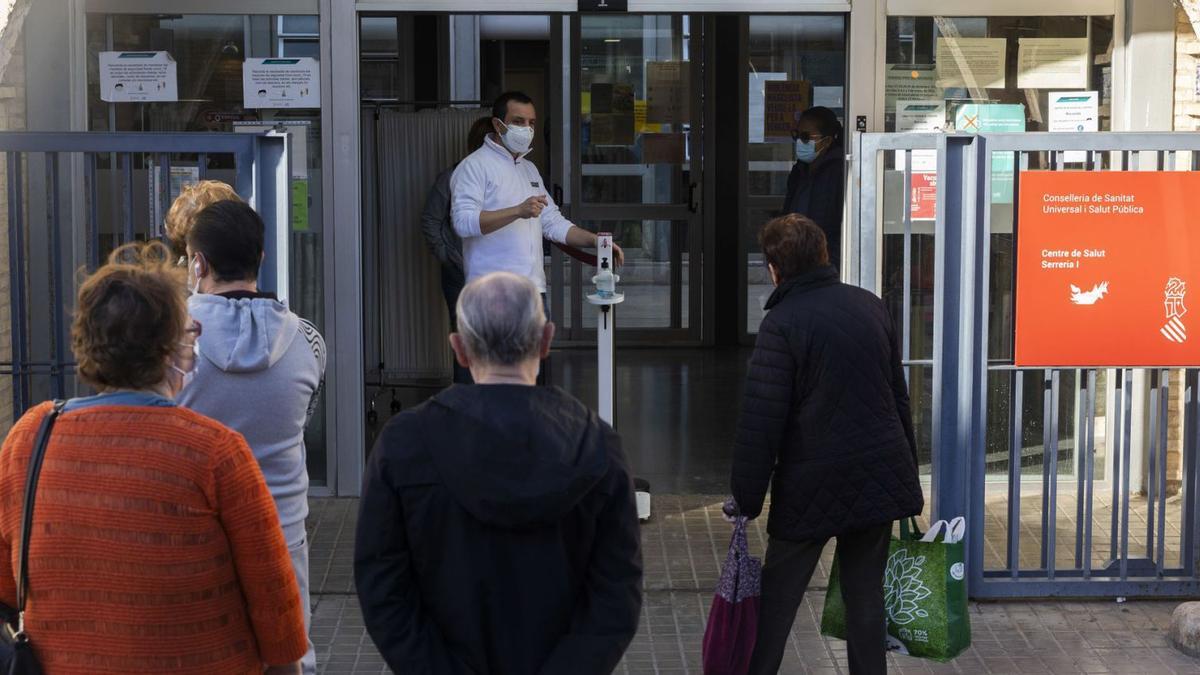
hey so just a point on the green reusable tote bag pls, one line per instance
(925, 593)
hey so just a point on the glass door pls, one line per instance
(793, 62)
(636, 172)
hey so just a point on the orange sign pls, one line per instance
(1105, 263)
(923, 204)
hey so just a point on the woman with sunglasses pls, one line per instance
(818, 180)
(155, 545)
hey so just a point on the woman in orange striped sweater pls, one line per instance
(155, 545)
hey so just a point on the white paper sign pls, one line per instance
(758, 88)
(1052, 63)
(973, 63)
(281, 83)
(137, 77)
(1074, 111)
(920, 116)
(903, 82)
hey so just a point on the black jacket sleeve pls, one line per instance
(607, 617)
(766, 407)
(900, 390)
(435, 220)
(407, 637)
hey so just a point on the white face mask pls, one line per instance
(188, 376)
(194, 276)
(517, 139)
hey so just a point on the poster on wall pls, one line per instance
(666, 92)
(138, 77)
(1105, 269)
(758, 99)
(281, 83)
(1074, 112)
(783, 102)
(1052, 63)
(971, 63)
(978, 118)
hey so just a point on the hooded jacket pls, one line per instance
(259, 373)
(815, 190)
(825, 415)
(498, 535)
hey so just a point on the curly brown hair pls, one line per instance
(130, 316)
(192, 199)
(793, 245)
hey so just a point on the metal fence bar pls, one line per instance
(164, 167)
(202, 166)
(1050, 450)
(1014, 472)
(906, 312)
(1189, 534)
(127, 162)
(1089, 463)
(58, 381)
(16, 271)
(1116, 453)
(1126, 443)
(92, 235)
(1164, 408)
(1152, 459)
(1081, 449)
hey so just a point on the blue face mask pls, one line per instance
(806, 151)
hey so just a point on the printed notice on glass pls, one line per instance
(904, 82)
(920, 116)
(1074, 111)
(135, 77)
(1052, 63)
(666, 92)
(971, 63)
(784, 100)
(758, 99)
(281, 83)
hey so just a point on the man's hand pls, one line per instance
(532, 207)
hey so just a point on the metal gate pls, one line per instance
(118, 186)
(1075, 482)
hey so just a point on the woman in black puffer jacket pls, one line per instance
(825, 416)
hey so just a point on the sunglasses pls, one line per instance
(804, 136)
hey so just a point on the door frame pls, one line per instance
(577, 334)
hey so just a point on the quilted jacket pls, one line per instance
(825, 415)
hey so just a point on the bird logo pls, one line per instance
(1080, 297)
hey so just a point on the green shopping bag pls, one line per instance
(925, 594)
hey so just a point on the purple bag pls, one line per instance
(733, 618)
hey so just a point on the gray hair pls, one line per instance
(500, 318)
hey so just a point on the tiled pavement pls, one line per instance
(683, 547)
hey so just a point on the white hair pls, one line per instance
(500, 318)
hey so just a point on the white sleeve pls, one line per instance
(466, 198)
(554, 224)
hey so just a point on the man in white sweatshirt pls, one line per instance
(259, 369)
(501, 207)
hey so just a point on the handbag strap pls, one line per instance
(909, 529)
(31, 481)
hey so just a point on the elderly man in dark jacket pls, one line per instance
(826, 420)
(498, 532)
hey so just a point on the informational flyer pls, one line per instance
(1105, 265)
(281, 83)
(904, 82)
(138, 77)
(784, 101)
(1052, 63)
(667, 92)
(977, 118)
(920, 116)
(1074, 112)
(757, 101)
(971, 63)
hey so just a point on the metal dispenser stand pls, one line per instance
(606, 320)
